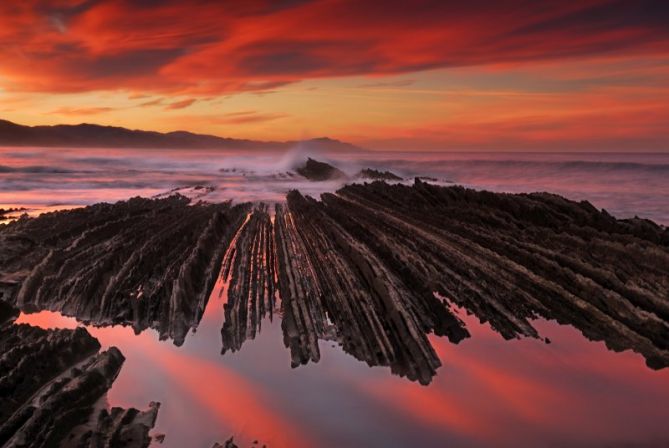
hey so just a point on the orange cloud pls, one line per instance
(598, 119)
(178, 104)
(156, 102)
(81, 110)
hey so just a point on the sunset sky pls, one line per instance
(430, 75)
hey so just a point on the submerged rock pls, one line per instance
(320, 171)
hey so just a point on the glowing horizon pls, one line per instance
(544, 76)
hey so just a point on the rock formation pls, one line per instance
(374, 267)
(320, 171)
(251, 292)
(117, 427)
(376, 317)
(378, 267)
(50, 383)
(145, 263)
(509, 258)
(369, 173)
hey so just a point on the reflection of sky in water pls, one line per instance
(488, 393)
(42, 179)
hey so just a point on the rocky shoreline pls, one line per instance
(374, 267)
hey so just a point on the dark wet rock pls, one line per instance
(117, 427)
(378, 267)
(427, 179)
(145, 263)
(304, 319)
(369, 173)
(375, 267)
(251, 292)
(31, 357)
(510, 258)
(50, 383)
(320, 171)
(230, 443)
(345, 289)
(5, 212)
(192, 192)
(7, 312)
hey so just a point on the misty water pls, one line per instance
(46, 178)
(489, 392)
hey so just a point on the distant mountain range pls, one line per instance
(97, 136)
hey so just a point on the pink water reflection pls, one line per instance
(571, 392)
(525, 393)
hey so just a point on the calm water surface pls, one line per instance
(489, 392)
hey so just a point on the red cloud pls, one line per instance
(214, 47)
(177, 104)
(246, 117)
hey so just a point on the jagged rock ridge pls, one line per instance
(50, 383)
(375, 267)
(509, 258)
(370, 173)
(249, 266)
(145, 263)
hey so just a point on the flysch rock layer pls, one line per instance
(250, 269)
(376, 317)
(379, 267)
(50, 382)
(509, 258)
(374, 267)
(141, 262)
